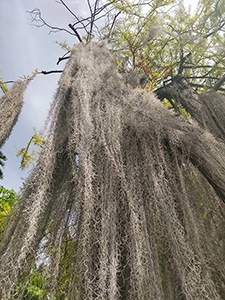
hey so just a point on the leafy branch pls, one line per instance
(24, 153)
(3, 85)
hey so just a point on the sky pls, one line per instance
(23, 49)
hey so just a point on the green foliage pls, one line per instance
(166, 103)
(65, 267)
(135, 37)
(7, 199)
(123, 5)
(163, 41)
(38, 140)
(26, 157)
(34, 286)
(31, 287)
(3, 86)
(25, 77)
(63, 45)
(181, 109)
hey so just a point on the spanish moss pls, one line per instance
(10, 107)
(207, 108)
(132, 192)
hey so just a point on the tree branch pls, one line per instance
(36, 17)
(67, 7)
(214, 31)
(113, 22)
(93, 15)
(75, 16)
(76, 33)
(62, 58)
(182, 61)
(197, 67)
(203, 86)
(201, 77)
(10, 81)
(219, 83)
(50, 72)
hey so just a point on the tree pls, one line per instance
(183, 43)
(182, 52)
(127, 195)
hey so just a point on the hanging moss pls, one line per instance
(208, 109)
(10, 107)
(116, 177)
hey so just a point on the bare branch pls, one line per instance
(97, 12)
(113, 22)
(73, 14)
(197, 67)
(50, 72)
(66, 6)
(42, 72)
(10, 81)
(89, 5)
(76, 33)
(201, 77)
(36, 17)
(62, 58)
(203, 86)
(93, 15)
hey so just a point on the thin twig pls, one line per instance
(113, 22)
(66, 6)
(50, 72)
(10, 81)
(203, 86)
(36, 17)
(197, 67)
(93, 15)
(75, 16)
(201, 77)
(214, 31)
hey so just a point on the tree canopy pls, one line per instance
(173, 41)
